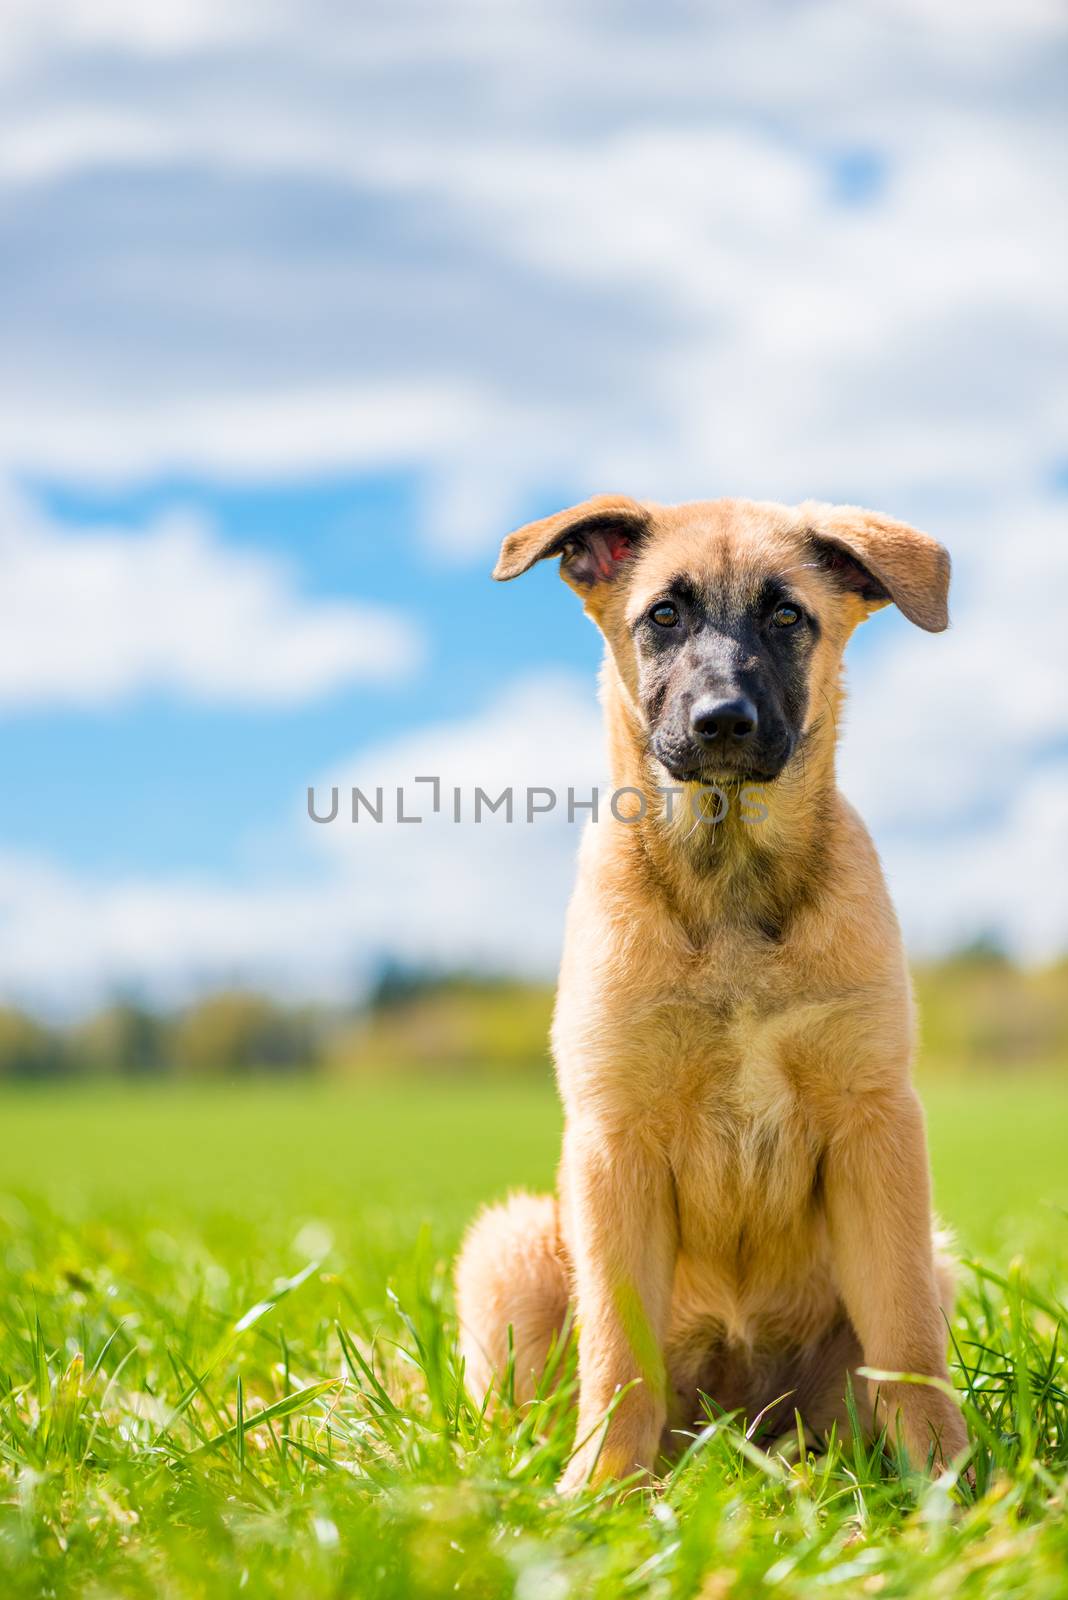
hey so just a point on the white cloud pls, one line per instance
(491, 895)
(1004, 877)
(167, 27)
(253, 434)
(942, 729)
(89, 619)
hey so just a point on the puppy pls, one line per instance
(743, 1206)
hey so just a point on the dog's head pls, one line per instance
(727, 619)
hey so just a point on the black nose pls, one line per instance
(724, 719)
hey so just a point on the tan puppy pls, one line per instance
(744, 1200)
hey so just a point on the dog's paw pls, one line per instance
(933, 1430)
(590, 1468)
(572, 1481)
(585, 1470)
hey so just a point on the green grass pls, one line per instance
(226, 1366)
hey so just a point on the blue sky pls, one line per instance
(304, 307)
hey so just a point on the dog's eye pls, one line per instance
(664, 615)
(785, 616)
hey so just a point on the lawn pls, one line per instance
(226, 1366)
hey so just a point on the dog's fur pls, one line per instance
(743, 1205)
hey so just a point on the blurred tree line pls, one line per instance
(410, 1019)
(976, 1010)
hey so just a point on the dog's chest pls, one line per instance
(735, 1123)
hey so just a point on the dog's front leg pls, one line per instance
(878, 1209)
(622, 1234)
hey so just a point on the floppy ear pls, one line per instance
(881, 560)
(595, 539)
